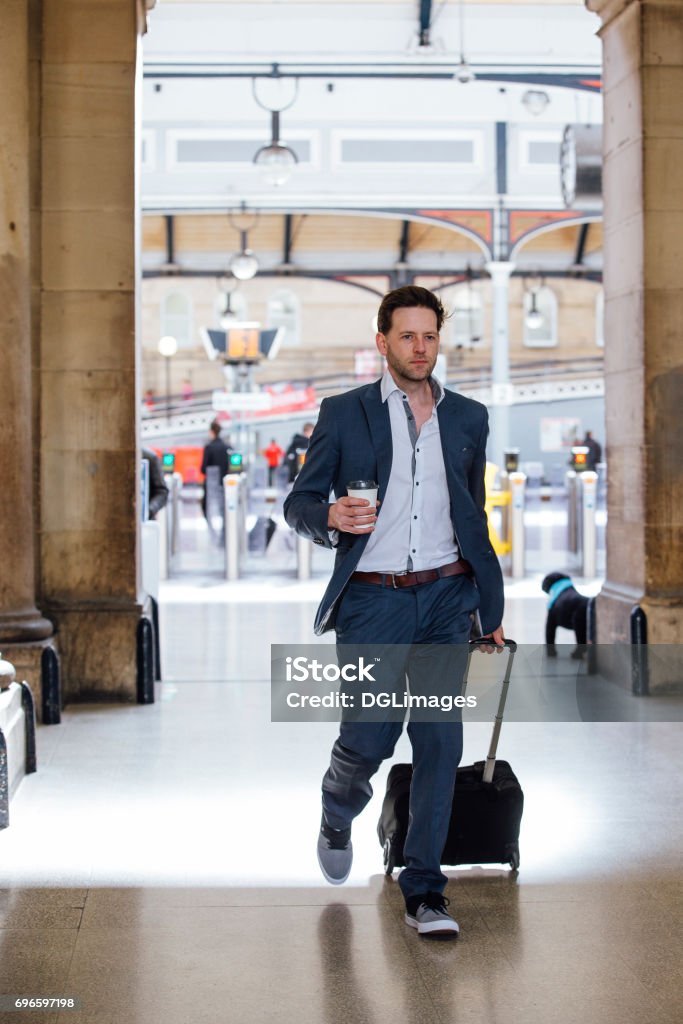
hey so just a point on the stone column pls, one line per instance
(20, 622)
(89, 463)
(643, 197)
(501, 391)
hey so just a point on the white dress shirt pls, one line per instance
(414, 528)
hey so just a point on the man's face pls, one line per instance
(412, 343)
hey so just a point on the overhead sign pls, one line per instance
(243, 342)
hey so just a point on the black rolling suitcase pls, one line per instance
(487, 805)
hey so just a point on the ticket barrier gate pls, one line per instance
(169, 524)
(517, 483)
(175, 484)
(304, 554)
(497, 498)
(582, 539)
(235, 497)
(510, 498)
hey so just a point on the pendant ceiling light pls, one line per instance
(243, 264)
(534, 317)
(276, 160)
(463, 72)
(535, 101)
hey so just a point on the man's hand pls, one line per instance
(352, 515)
(497, 637)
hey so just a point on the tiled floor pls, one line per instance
(160, 866)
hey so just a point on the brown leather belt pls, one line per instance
(397, 580)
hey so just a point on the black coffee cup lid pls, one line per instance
(361, 485)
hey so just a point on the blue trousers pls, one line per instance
(431, 614)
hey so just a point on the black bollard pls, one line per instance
(145, 660)
(50, 686)
(640, 670)
(157, 640)
(28, 704)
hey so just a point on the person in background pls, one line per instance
(298, 444)
(273, 454)
(158, 491)
(216, 453)
(186, 390)
(148, 402)
(594, 450)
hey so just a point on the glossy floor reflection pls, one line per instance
(161, 866)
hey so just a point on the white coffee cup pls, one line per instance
(364, 489)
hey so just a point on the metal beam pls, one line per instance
(581, 244)
(501, 157)
(588, 80)
(287, 240)
(425, 21)
(369, 272)
(170, 239)
(404, 244)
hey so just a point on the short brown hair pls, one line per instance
(408, 297)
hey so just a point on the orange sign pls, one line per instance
(243, 343)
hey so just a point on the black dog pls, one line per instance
(567, 608)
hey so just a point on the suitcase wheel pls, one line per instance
(388, 857)
(514, 858)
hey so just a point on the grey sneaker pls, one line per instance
(427, 913)
(335, 853)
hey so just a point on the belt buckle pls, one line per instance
(395, 574)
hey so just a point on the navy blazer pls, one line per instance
(352, 441)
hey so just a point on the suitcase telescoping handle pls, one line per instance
(511, 646)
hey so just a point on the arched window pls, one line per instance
(176, 318)
(600, 319)
(540, 318)
(284, 310)
(467, 317)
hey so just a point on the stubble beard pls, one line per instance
(407, 372)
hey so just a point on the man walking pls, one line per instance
(273, 454)
(216, 453)
(409, 572)
(297, 446)
(594, 450)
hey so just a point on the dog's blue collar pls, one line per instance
(558, 588)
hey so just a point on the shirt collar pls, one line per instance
(389, 385)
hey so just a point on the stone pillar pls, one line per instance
(89, 464)
(501, 391)
(643, 197)
(21, 625)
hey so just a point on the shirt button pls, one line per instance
(414, 517)
(413, 550)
